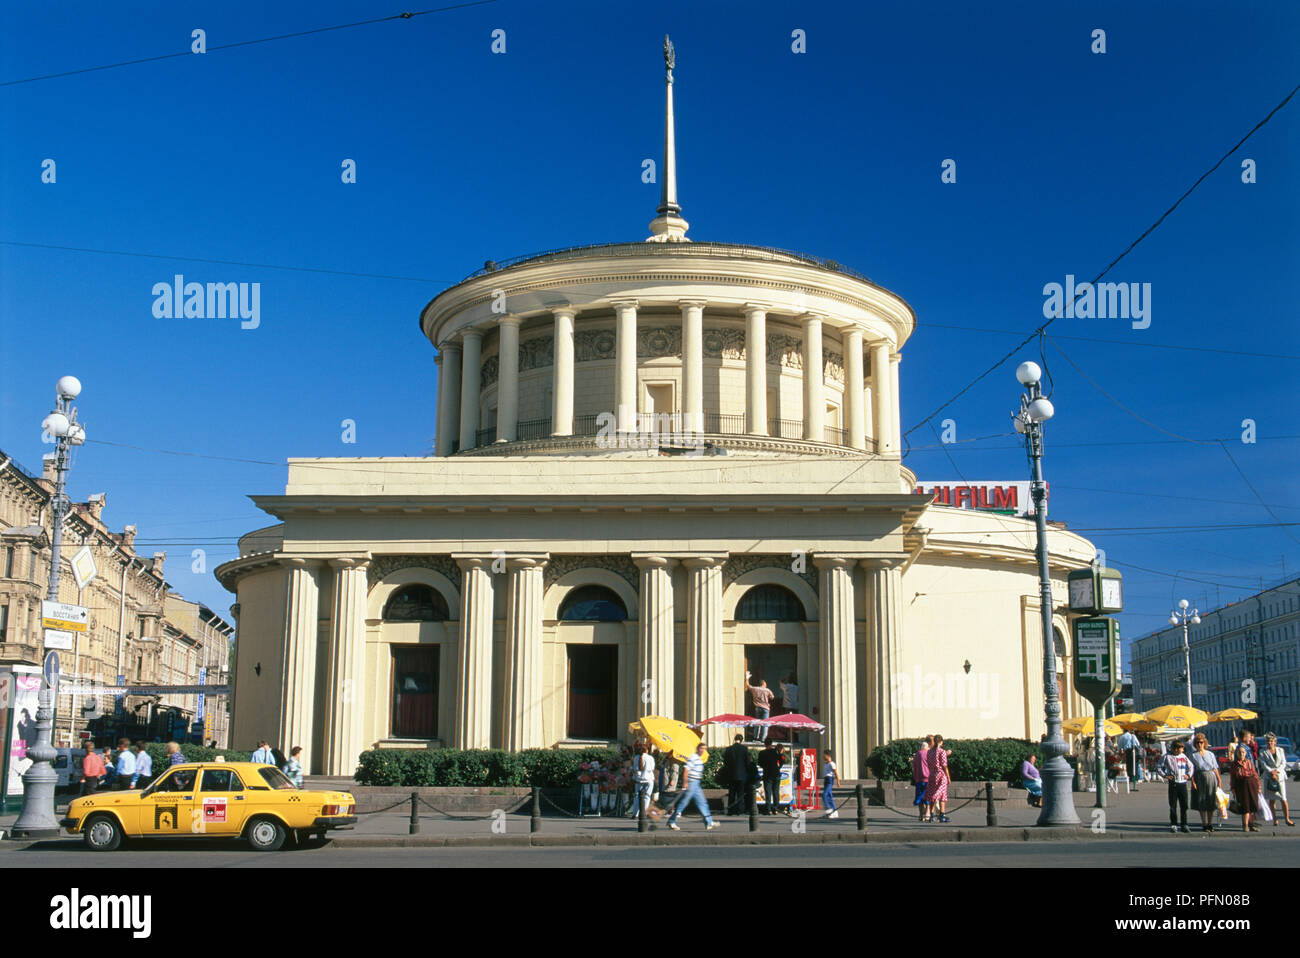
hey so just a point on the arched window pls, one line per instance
(769, 603)
(592, 603)
(416, 603)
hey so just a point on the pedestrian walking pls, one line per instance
(762, 697)
(174, 756)
(92, 770)
(293, 767)
(262, 754)
(110, 769)
(692, 792)
(1245, 788)
(1272, 769)
(936, 792)
(735, 773)
(1205, 781)
(125, 765)
(1177, 769)
(143, 767)
(643, 776)
(770, 761)
(830, 775)
(1032, 779)
(921, 777)
(1128, 744)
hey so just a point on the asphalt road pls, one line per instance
(1182, 851)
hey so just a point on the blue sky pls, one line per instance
(1063, 158)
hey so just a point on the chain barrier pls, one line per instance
(376, 811)
(462, 817)
(562, 811)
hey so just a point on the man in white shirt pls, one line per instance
(643, 775)
(125, 765)
(262, 754)
(143, 767)
(1176, 769)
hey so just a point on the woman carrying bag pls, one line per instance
(1245, 788)
(1272, 770)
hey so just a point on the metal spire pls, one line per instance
(668, 226)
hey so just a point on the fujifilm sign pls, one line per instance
(1009, 498)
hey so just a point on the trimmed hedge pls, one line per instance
(446, 767)
(972, 760)
(193, 753)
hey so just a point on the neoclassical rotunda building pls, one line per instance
(659, 465)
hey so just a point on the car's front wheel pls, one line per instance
(265, 835)
(102, 833)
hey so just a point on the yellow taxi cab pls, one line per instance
(214, 800)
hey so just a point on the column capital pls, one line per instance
(687, 303)
(652, 561)
(468, 562)
(704, 561)
(509, 319)
(350, 562)
(763, 308)
(806, 318)
(833, 562)
(449, 346)
(299, 562)
(622, 304)
(528, 562)
(564, 310)
(470, 333)
(881, 563)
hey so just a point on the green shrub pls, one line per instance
(193, 753)
(449, 767)
(972, 760)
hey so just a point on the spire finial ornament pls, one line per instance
(668, 226)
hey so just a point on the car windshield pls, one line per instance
(274, 777)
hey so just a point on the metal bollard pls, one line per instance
(642, 823)
(861, 794)
(753, 811)
(415, 815)
(535, 819)
(991, 812)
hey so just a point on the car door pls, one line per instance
(222, 801)
(166, 809)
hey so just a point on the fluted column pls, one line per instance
(344, 735)
(470, 382)
(562, 373)
(448, 398)
(814, 398)
(522, 718)
(508, 378)
(655, 636)
(298, 703)
(692, 365)
(884, 644)
(854, 387)
(896, 425)
(838, 662)
(625, 366)
(882, 412)
(704, 641)
(474, 663)
(756, 370)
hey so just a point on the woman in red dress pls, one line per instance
(936, 792)
(1245, 788)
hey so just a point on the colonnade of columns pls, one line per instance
(519, 706)
(460, 381)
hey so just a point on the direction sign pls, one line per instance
(52, 669)
(1095, 675)
(83, 567)
(58, 639)
(60, 615)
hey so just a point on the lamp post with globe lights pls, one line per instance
(1058, 777)
(36, 819)
(1181, 616)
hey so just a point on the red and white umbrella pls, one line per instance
(793, 720)
(733, 720)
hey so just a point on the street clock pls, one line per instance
(1096, 591)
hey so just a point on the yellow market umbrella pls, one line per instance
(668, 735)
(1178, 716)
(1084, 726)
(1128, 719)
(1233, 715)
(1144, 726)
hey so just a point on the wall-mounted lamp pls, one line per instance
(966, 666)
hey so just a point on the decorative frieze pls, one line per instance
(738, 565)
(560, 566)
(383, 566)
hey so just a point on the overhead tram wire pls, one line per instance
(1038, 331)
(1116, 342)
(1251, 486)
(248, 43)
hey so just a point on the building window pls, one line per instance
(9, 562)
(772, 664)
(592, 603)
(416, 603)
(415, 692)
(593, 699)
(769, 603)
(4, 623)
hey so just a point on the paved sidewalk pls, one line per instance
(1144, 813)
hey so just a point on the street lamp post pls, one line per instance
(1058, 779)
(1182, 617)
(36, 819)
